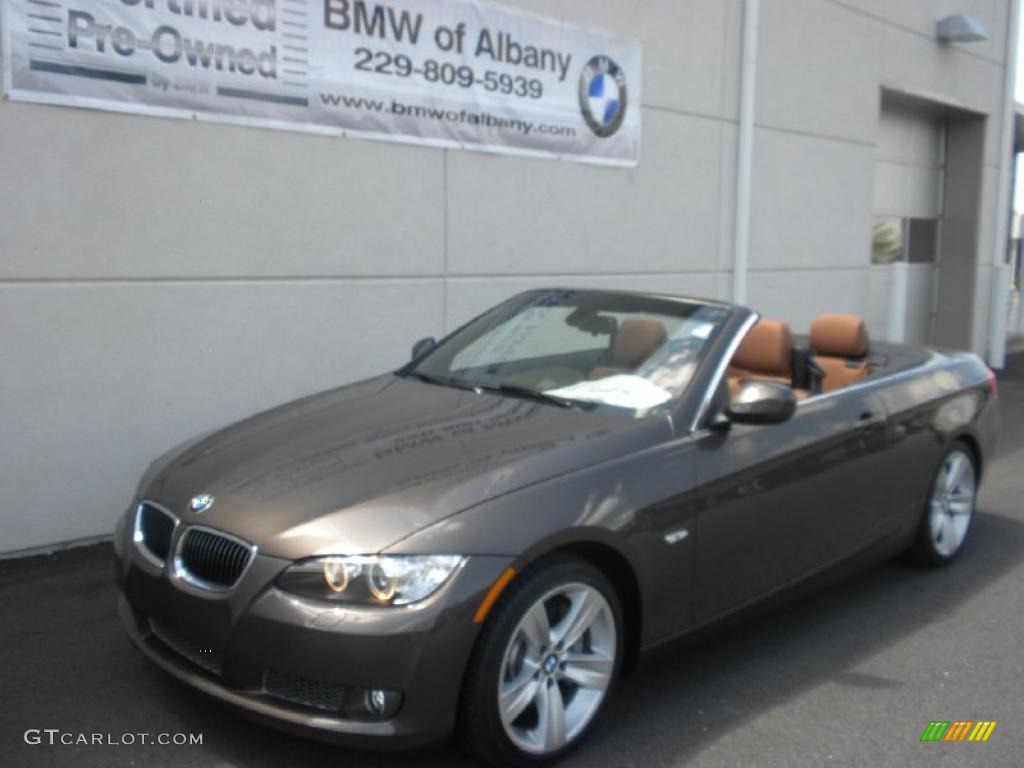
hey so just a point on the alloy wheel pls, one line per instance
(952, 503)
(557, 668)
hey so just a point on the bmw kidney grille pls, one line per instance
(211, 560)
(154, 528)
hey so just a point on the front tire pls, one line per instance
(544, 665)
(949, 511)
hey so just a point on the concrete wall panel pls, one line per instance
(920, 304)
(921, 18)
(916, 64)
(468, 296)
(876, 311)
(683, 44)
(909, 135)
(727, 207)
(804, 216)
(509, 216)
(100, 379)
(831, 87)
(89, 194)
(907, 190)
(797, 296)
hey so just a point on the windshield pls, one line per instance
(579, 347)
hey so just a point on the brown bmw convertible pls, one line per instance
(480, 541)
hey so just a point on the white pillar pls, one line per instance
(999, 306)
(999, 293)
(899, 278)
(745, 152)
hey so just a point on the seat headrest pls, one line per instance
(637, 339)
(839, 336)
(767, 348)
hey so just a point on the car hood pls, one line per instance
(356, 469)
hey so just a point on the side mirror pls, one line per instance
(423, 346)
(761, 402)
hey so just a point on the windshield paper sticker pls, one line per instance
(623, 390)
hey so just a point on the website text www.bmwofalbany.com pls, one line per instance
(456, 116)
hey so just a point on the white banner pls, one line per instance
(454, 73)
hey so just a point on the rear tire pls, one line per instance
(949, 510)
(544, 665)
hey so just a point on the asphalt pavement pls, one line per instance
(849, 676)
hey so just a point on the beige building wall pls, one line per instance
(321, 260)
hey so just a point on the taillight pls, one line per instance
(993, 387)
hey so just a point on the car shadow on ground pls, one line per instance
(687, 695)
(71, 667)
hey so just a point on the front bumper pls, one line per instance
(238, 646)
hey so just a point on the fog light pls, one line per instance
(372, 704)
(376, 701)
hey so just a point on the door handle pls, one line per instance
(868, 420)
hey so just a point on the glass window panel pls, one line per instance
(889, 242)
(923, 241)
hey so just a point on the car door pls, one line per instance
(778, 502)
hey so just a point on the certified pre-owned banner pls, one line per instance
(454, 73)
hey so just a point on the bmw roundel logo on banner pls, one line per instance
(603, 96)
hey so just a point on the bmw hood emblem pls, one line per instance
(603, 96)
(201, 503)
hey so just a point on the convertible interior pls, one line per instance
(836, 353)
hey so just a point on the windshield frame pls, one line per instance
(670, 407)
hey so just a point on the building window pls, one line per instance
(922, 241)
(889, 242)
(905, 239)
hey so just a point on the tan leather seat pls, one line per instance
(636, 340)
(839, 344)
(765, 354)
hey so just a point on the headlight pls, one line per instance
(370, 579)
